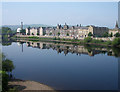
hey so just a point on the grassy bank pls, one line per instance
(87, 40)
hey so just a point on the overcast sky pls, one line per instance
(52, 13)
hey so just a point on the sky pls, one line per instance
(52, 13)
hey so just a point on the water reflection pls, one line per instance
(78, 72)
(73, 48)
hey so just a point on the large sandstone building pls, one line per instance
(65, 31)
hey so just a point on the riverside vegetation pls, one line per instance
(7, 67)
(87, 40)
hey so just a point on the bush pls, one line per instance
(88, 39)
(116, 42)
(54, 38)
(7, 65)
(58, 33)
(105, 34)
(38, 34)
(28, 33)
(5, 79)
(117, 35)
(111, 35)
(67, 34)
(90, 34)
(109, 42)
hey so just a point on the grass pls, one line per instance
(87, 40)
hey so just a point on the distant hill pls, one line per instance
(14, 27)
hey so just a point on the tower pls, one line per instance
(119, 14)
(116, 26)
(21, 25)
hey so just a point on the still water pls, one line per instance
(65, 66)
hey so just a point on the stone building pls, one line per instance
(40, 31)
(65, 31)
(115, 30)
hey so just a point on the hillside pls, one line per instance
(14, 27)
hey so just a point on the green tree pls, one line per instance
(6, 30)
(7, 65)
(23, 31)
(32, 34)
(87, 39)
(28, 33)
(67, 34)
(111, 35)
(58, 33)
(116, 42)
(50, 34)
(117, 35)
(37, 33)
(105, 34)
(90, 34)
(5, 79)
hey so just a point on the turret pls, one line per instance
(21, 25)
(116, 26)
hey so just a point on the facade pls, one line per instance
(115, 30)
(35, 31)
(65, 31)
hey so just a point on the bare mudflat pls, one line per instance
(21, 85)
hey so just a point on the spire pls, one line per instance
(21, 25)
(116, 26)
(65, 23)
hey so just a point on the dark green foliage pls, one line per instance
(32, 34)
(23, 31)
(87, 39)
(116, 42)
(54, 38)
(111, 35)
(37, 33)
(105, 34)
(28, 33)
(5, 79)
(58, 33)
(6, 30)
(67, 34)
(34, 37)
(50, 34)
(117, 35)
(7, 65)
(90, 34)
(109, 42)
(97, 41)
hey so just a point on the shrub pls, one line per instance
(90, 34)
(58, 33)
(116, 42)
(54, 38)
(5, 79)
(111, 35)
(32, 34)
(88, 39)
(117, 35)
(67, 34)
(105, 34)
(50, 34)
(37, 33)
(109, 42)
(28, 33)
(7, 65)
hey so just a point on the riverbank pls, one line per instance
(87, 40)
(24, 85)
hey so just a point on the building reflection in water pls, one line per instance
(71, 48)
(78, 50)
